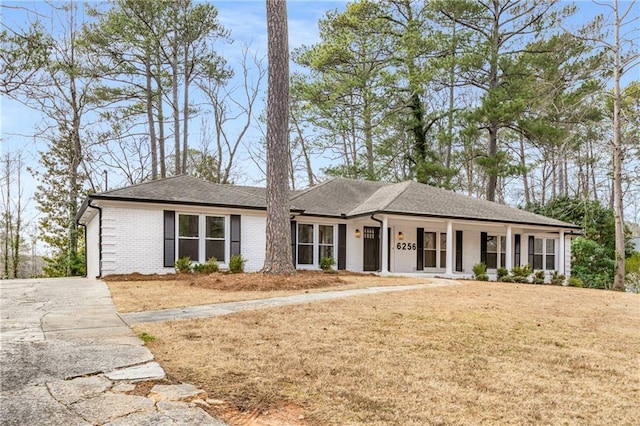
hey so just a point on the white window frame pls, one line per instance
(438, 250)
(545, 253)
(202, 238)
(500, 251)
(316, 244)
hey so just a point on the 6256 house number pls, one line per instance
(406, 246)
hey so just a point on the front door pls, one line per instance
(371, 237)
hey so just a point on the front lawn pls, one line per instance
(492, 353)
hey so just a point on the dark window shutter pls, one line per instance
(458, 251)
(531, 249)
(235, 234)
(420, 249)
(483, 247)
(388, 249)
(169, 238)
(342, 246)
(516, 250)
(294, 229)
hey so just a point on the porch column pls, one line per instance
(385, 246)
(449, 270)
(561, 253)
(508, 258)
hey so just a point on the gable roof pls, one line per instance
(337, 197)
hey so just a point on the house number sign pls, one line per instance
(406, 246)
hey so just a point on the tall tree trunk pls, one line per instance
(16, 238)
(492, 147)
(525, 177)
(618, 208)
(185, 110)
(150, 119)
(278, 233)
(7, 217)
(175, 103)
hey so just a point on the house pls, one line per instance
(404, 227)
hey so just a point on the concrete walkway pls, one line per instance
(67, 358)
(219, 309)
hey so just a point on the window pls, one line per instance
(429, 249)
(214, 238)
(305, 244)
(315, 242)
(435, 250)
(188, 236)
(201, 237)
(550, 259)
(544, 254)
(443, 250)
(503, 251)
(325, 241)
(492, 252)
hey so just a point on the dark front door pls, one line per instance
(371, 237)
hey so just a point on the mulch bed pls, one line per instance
(257, 281)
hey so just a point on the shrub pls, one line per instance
(210, 266)
(480, 272)
(183, 265)
(501, 273)
(575, 282)
(591, 263)
(521, 272)
(326, 264)
(557, 279)
(236, 264)
(538, 277)
(507, 279)
(632, 270)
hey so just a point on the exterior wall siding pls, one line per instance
(132, 241)
(252, 241)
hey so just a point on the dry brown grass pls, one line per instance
(479, 353)
(131, 295)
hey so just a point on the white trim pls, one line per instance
(202, 239)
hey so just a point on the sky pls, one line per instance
(247, 23)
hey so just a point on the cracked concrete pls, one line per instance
(66, 357)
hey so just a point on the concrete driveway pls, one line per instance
(66, 357)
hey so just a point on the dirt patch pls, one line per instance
(279, 414)
(477, 353)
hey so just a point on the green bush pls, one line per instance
(501, 273)
(507, 279)
(183, 265)
(522, 272)
(592, 264)
(557, 279)
(480, 272)
(326, 264)
(236, 264)
(538, 277)
(632, 271)
(210, 266)
(575, 282)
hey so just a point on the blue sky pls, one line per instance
(246, 21)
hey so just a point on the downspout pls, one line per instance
(99, 239)
(381, 239)
(85, 247)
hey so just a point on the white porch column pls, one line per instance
(385, 245)
(449, 270)
(561, 254)
(509, 250)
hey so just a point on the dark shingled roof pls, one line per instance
(334, 198)
(189, 190)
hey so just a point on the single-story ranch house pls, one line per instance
(404, 227)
